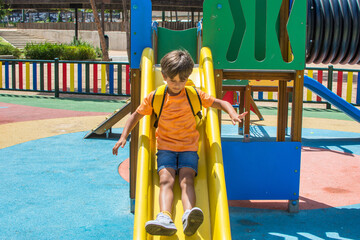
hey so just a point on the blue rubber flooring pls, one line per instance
(63, 187)
(348, 142)
(67, 187)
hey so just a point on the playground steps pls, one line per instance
(19, 39)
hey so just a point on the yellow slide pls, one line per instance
(209, 184)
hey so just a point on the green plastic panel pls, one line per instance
(169, 40)
(243, 34)
(233, 82)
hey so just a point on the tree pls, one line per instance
(126, 26)
(3, 10)
(104, 49)
(59, 18)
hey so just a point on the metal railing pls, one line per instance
(57, 76)
(112, 78)
(344, 82)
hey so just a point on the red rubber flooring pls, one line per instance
(10, 113)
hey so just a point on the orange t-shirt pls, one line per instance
(177, 126)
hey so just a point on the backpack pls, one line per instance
(159, 98)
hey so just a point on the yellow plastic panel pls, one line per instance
(274, 83)
(194, 77)
(220, 222)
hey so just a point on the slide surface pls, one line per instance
(210, 181)
(109, 121)
(332, 98)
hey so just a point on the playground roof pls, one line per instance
(158, 5)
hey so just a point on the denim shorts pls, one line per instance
(177, 160)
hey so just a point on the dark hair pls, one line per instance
(177, 62)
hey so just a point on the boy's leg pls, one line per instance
(193, 216)
(166, 195)
(163, 224)
(186, 180)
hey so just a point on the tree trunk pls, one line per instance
(127, 27)
(104, 49)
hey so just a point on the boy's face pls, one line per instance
(175, 85)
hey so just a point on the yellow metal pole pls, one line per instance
(72, 84)
(103, 78)
(349, 87)
(27, 69)
(308, 92)
(270, 95)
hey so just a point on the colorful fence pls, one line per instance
(75, 77)
(112, 78)
(344, 82)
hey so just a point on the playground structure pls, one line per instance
(333, 34)
(285, 73)
(224, 50)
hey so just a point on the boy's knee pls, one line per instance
(167, 180)
(187, 182)
(187, 179)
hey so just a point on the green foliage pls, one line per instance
(78, 53)
(80, 42)
(59, 17)
(69, 53)
(4, 11)
(99, 53)
(6, 49)
(76, 50)
(43, 51)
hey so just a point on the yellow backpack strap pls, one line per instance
(194, 100)
(158, 102)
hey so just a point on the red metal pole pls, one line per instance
(95, 74)
(64, 77)
(20, 75)
(320, 79)
(49, 76)
(339, 83)
(127, 79)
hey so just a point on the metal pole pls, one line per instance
(56, 77)
(330, 82)
(103, 17)
(76, 24)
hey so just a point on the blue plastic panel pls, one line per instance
(262, 170)
(140, 29)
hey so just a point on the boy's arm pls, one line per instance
(227, 107)
(129, 125)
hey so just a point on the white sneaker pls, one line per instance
(162, 225)
(192, 219)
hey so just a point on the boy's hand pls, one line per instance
(237, 117)
(121, 143)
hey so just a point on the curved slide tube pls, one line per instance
(210, 182)
(332, 98)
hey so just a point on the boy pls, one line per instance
(177, 143)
